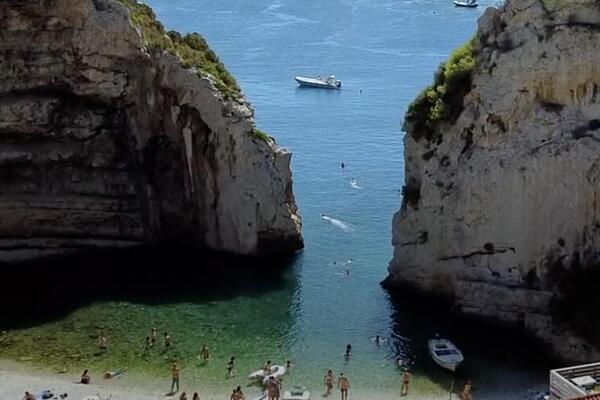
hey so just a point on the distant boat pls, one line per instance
(318, 82)
(468, 3)
(445, 353)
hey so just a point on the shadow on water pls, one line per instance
(495, 356)
(38, 292)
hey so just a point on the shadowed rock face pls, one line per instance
(104, 144)
(504, 199)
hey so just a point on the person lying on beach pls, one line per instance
(86, 379)
(29, 396)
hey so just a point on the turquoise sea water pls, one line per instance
(385, 52)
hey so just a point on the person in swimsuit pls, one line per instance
(405, 382)
(102, 341)
(153, 336)
(328, 380)
(273, 388)
(239, 395)
(167, 340)
(348, 351)
(195, 396)
(86, 379)
(466, 392)
(267, 367)
(183, 396)
(288, 365)
(29, 396)
(204, 353)
(174, 378)
(344, 385)
(148, 344)
(230, 366)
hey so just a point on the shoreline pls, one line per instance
(17, 378)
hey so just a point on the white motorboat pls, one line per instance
(297, 393)
(318, 82)
(276, 371)
(445, 353)
(468, 3)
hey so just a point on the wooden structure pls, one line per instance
(575, 383)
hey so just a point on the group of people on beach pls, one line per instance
(273, 384)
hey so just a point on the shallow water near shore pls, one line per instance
(329, 295)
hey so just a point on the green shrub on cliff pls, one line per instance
(443, 99)
(191, 49)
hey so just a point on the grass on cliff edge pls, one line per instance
(191, 49)
(443, 99)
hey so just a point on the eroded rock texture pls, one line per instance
(503, 206)
(106, 144)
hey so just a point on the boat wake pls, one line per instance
(354, 184)
(334, 221)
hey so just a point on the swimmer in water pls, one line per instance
(348, 351)
(343, 165)
(377, 340)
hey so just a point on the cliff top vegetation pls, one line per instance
(443, 99)
(191, 49)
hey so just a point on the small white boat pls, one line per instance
(297, 393)
(468, 3)
(318, 82)
(445, 353)
(275, 372)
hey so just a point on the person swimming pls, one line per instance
(348, 351)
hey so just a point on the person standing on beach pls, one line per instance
(204, 353)
(174, 378)
(102, 342)
(195, 396)
(466, 392)
(230, 367)
(328, 380)
(167, 340)
(183, 396)
(344, 385)
(405, 382)
(273, 388)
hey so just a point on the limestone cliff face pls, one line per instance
(107, 142)
(502, 203)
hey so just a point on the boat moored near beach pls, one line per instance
(318, 82)
(445, 353)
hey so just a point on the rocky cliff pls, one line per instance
(115, 133)
(501, 207)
